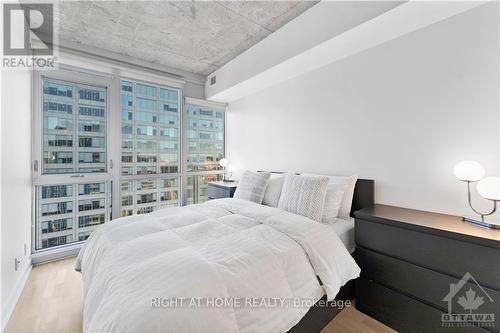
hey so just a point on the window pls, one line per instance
(205, 148)
(147, 195)
(72, 189)
(150, 129)
(60, 206)
(150, 145)
(205, 138)
(197, 187)
(164, 152)
(74, 127)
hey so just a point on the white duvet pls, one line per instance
(259, 261)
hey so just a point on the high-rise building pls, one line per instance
(74, 141)
(197, 187)
(70, 212)
(151, 129)
(205, 138)
(147, 195)
(74, 128)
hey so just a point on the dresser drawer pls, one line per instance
(401, 312)
(445, 255)
(421, 283)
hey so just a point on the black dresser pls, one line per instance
(427, 272)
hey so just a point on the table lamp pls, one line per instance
(488, 188)
(228, 170)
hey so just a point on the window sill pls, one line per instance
(59, 253)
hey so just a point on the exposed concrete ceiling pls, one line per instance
(195, 36)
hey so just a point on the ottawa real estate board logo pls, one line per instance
(468, 305)
(28, 36)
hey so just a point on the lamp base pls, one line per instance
(228, 180)
(480, 223)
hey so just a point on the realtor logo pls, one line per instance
(28, 28)
(464, 301)
(29, 36)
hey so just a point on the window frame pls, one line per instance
(75, 178)
(37, 147)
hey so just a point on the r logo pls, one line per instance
(28, 27)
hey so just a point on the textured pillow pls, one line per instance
(304, 196)
(345, 184)
(252, 186)
(273, 190)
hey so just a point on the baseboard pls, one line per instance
(10, 305)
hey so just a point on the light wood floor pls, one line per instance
(52, 302)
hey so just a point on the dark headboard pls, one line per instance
(364, 195)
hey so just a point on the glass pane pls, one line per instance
(68, 213)
(150, 125)
(197, 187)
(74, 127)
(169, 192)
(205, 138)
(147, 195)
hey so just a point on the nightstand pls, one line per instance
(427, 272)
(220, 189)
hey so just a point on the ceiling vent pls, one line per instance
(213, 79)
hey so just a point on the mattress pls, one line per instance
(345, 230)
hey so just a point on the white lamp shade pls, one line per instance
(469, 171)
(489, 188)
(223, 162)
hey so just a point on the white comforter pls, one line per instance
(262, 259)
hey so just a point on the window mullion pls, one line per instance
(184, 151)
(114, 143)
(75, 127)
(157, 139)
(75, 214)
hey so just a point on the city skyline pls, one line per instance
(74, 132)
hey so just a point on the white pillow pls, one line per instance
(304, 196)
(252, 186)
(345, 184)
(333, 200)
(273, 190)
(346, 204)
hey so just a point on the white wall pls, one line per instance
(15, 185)
(402, 113)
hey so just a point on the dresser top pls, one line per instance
(441, 224)
(224, 184)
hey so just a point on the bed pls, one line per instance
(319, 315)
(227, 265)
